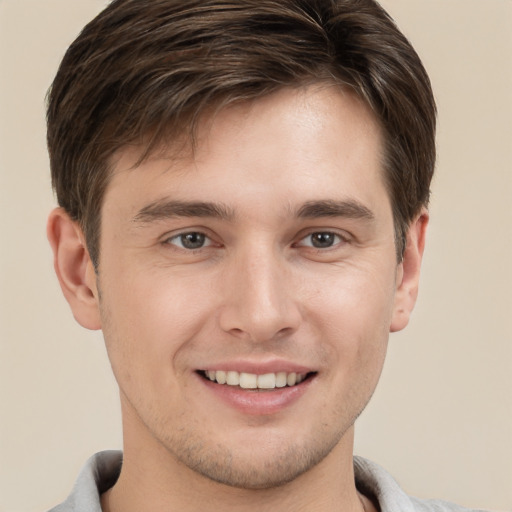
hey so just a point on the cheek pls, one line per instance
(359, 298)
(353, 318)
(148, 317)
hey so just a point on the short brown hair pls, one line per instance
(147, 70)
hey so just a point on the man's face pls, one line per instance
(270, 253)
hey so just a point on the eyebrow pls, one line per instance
(166, 209)
(330, 208)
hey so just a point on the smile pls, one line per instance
(253, 381)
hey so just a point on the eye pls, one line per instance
(192, 240)
(321, 240)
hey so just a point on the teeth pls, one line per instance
(280, 380)
(253, 381)
(232, 378)
(267, 381)
(248, 381)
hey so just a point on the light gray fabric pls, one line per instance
(99, 474)
(374, 481)
(102, 470)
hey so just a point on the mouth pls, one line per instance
(253, 381)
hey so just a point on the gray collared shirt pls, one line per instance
(102, 470)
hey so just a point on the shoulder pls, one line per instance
(99, 474)
(438, 506)
(375, 482)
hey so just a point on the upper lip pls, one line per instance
(258, 367)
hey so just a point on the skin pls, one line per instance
(258, 291)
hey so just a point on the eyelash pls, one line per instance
(181, 236)
(338, 239)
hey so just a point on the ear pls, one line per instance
(408, 272)
(74, 268)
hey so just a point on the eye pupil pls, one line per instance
(321, 240)
(193, 240)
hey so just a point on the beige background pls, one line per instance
(441, 420)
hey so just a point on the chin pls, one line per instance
(254, 467)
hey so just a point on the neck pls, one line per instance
(152, 479)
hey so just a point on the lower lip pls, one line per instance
(258, 402)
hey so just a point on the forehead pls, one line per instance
(299, 141)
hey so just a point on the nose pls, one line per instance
(259, 303)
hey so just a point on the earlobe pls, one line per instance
(408, 272)
(74, 268)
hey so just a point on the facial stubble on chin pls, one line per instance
(222, 465)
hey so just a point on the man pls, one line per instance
(243, 189)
